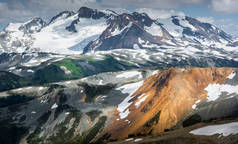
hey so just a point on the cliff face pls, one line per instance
(165, 99)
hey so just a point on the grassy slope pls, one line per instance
(53, 72)
(10, 81)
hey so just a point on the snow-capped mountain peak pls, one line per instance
(62, 15)
(33, 26)
(92, 30)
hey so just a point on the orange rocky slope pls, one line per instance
(165, 99)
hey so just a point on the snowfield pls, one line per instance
(174, 30)
(222, 129)
(195, 105)
(155, 30)
(141, 99)
(232, 75)
(117, 31)
(54, 106)
(56, 39)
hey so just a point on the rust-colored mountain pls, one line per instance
(170, 96)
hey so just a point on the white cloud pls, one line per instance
(206, 19)
(225, 6)
(228, 25)
(162, 14)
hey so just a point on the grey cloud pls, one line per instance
(64, 4)
(22, 10)
(158, 13)
(225, 6)
(8, 13)
(165, 4)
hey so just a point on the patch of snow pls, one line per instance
(54, 106)
(19, 70)
(43, 101)
(232, 75)
(173, 29)
(147, 44)
(104, 97)
(129, 74)
(195, 105)
(30, 71)
(67, 113)
(185, 23)
(137, 140)
(128, 89)
(155, 30)
(141, 99)
(135, 46)
(213, 27)
(155, 72)
(141, 41)
(129, 139)
(198, 101)
(100, 82)
(83, 79)
(117, 31)
(35, 62)
(41, 88)
(66, 71)
(12, 68)
(68, 82)
(13, 26)
(124, 114)
(215, 90)
(127, 121)
(19, 89)
(223, 129)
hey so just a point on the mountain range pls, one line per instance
(93, 30)
(97, 76)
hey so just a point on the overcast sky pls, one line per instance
(222, 13)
